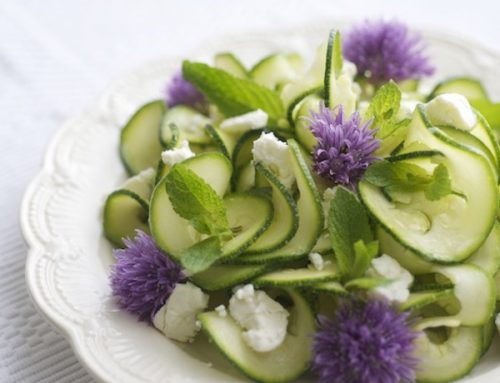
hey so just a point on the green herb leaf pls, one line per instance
(363, 255)
(402, 176)
(440, 185)
(384, 109)
(338, 58)
(232, 95)
(202, 255)
(195, 200)
(366, 283)
(348, 223)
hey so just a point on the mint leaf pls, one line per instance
(402, 174)
(366, 283)
(407, 177)
(232, 95)
(440, 185)
(195, 200)
(200, 256)
(338, 58)
(384, 109)
(348, 223)
(363, 255)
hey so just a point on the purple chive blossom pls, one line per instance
(365, 342)
(345, 146)
(385, 50)
(181, 92)
(143, 277)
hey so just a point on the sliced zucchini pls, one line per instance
(405, 257)
(298, 277)
(419, 299)
(475, 92)
(189, 125)
(310, 82)
(285, 221)
(219, 277)
(273, 71)
(224, 141)
(469, 87)
(445, 361)
(242, 152)
(296, 61)
(231, 64)
(466, 138)
(161, 171)
(140, 147)
(475, 309)
(487, 256)
(324, 244)
(249, 215)
(244, 178)
(310, 211)
(124, 213)
(172, 233)
(329, 288)
(497, 285)
(302, 125)
(489, 331)
(170, 136)
(483, 132)
(285, 363)
(141, 184)
(452, 228)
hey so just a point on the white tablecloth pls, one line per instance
(56, 57)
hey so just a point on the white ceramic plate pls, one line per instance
(69, 260)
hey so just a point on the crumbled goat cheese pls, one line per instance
(177, 318)
(248, 121)
(274, 154)
(451, 109)
(221, 311)
(174, 156)
(264, 320)
(317, 261)
(387, 267)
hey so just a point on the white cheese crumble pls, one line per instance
(274, 154)
(245, 292)
(349, 69)
(174, 156)
(221, 311)
(451, 109)
(387, 267)
(264, 320)
(177, 318)
(248, 121)
(317, 261)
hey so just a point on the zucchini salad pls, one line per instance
(318, 215)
